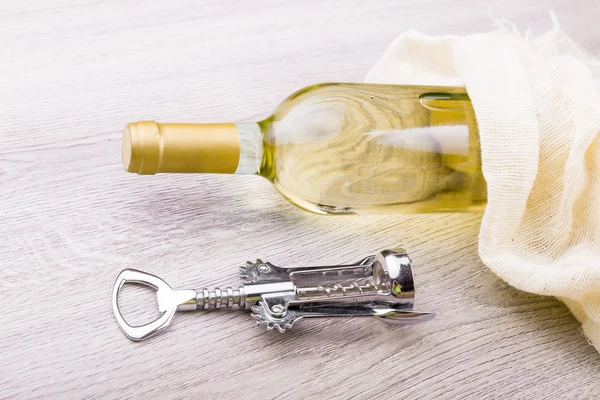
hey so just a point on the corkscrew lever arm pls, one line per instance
(382, 311)
(392, 316)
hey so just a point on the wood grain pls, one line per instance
(75, 71)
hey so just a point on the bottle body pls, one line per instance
(360, 148)
(367, 149)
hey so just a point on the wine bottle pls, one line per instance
(337, 148)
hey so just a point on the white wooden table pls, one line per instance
(73, 72)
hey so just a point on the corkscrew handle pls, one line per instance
(169, 302)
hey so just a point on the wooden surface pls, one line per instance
(74, 72)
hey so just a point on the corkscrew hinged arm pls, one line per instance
(379, 286)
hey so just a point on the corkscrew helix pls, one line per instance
(379, 286)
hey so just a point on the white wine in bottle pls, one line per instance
(337, 148)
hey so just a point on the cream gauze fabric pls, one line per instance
(537, 104)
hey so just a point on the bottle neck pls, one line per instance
(251, 148)
(149, 147)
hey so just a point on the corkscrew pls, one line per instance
(379, 286)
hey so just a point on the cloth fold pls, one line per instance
(537, 104)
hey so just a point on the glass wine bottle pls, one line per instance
(336, 148)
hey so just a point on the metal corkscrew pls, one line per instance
(379, 286)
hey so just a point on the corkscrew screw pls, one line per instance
(379, 286)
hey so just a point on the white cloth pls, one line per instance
(537, 103)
